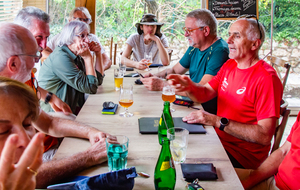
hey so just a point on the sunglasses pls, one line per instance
(36, 85)
(252, 17)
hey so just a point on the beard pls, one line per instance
(191, 41)
(24, 73)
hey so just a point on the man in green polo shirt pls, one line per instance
(204, 57)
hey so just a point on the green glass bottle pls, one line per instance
(165, 173)
(166, 117)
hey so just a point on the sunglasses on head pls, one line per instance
(252, 17)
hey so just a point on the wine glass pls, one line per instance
(126, 100)
(168, 94)
(148, 57)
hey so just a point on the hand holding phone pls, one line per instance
(140, 74)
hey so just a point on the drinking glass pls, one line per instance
(126, 100)
(148, 57)
(118, 75)
(178, 143)
(122, 66)
(168, 94)
(117, 152)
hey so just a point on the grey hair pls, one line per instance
(70, 30)
(82, 9)
(26, 16)
(253, 31)
(205, 18)
(11, 42)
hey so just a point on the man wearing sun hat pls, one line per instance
(149, 39)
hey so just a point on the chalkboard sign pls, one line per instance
(231, 9)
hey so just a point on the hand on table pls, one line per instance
(153, 83)
(21, 175)
(59, 106)
(96, 154)
(96, 135)
(201, 117)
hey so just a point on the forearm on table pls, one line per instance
(268, 168)
(54, 171)
(99, 63)
(58, 127)
(260, 133)
(129, 62)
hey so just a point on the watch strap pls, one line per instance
(48, 97)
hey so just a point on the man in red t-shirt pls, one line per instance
(249, 94)
(281, 170)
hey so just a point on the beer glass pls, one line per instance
(126, 100)
(148, 57)
(178, 143)
(117, 152)
(168, 94)
(118, 75)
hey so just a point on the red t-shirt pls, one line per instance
(247, 96)
(49, 141)
(288, 176)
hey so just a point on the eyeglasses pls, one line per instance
(191, 30)
(86, 20)
(83, 36)
(36, 57)
(253, 17)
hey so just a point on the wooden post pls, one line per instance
(91, 6)
(115, 54)
(111, 48)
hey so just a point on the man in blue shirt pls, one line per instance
(204, 57)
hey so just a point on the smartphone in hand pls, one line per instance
(140, 74)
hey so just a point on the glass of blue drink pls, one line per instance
(117, 152)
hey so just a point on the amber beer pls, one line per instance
(168, 97)
(126, 103)
(118, 82)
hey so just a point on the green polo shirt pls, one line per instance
(63, 73)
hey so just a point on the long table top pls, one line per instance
(144, 149)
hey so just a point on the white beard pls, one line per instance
(24, 73)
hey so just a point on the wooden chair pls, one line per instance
(277, 63)
(284, 115)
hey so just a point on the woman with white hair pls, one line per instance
(69, 71)
(83, 15)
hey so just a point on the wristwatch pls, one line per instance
(48, 97)
(224, 122)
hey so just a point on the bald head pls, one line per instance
(17, 48)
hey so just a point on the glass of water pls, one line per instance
(117, 152)
(178, 143)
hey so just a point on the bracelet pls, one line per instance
(48, 97)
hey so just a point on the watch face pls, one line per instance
(224, 121)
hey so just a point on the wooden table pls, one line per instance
(144, 149)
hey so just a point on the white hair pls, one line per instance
(82, 9)
(26, 16)
(205, 18)
(11, 42)
(253, 31)
(70, 30)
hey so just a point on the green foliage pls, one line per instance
(117, 18)
(286, 23)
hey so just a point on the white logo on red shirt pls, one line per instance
(224, 84)
(241, 91)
